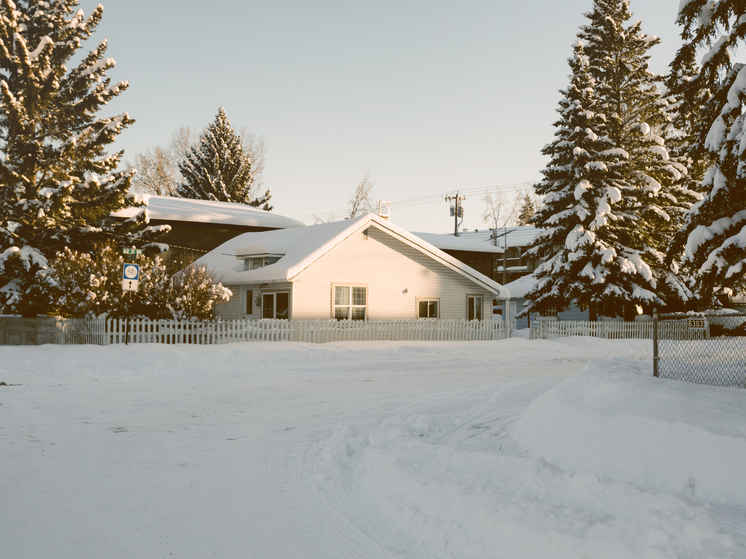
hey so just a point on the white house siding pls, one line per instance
(232, 309)
(396, 274)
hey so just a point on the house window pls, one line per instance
(474, 307)
(276, 305)
(428, 308)
(549, 312)
(256, 262)
(350, 302)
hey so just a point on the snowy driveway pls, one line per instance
(350, 450)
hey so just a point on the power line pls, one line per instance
(426, 199)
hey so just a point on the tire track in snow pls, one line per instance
(348, 515)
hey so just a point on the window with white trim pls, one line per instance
(256, 262)
(474, 307)
(276, 305)
(428, 308)
(350, 302)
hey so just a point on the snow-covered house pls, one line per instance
(358, 269)
(518, 302)
(201, 225)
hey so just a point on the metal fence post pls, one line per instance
(655, 343)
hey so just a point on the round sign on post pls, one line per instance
(131, 277)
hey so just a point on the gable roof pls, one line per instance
(170, 208)
(304, 246)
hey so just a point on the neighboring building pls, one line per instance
(358, 269)
(198, 226)
(517, 263)
(489, 250)
(518, 302)
(476, 251)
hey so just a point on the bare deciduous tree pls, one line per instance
(362, 201)
(182, 139)
(255, 148)
(157, 172)
(498, 211)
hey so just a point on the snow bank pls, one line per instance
(658, 434)
(610, 463)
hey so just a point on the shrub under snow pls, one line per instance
(77, 285)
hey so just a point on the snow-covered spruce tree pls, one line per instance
(218, 168)
(583, 260)
(526, 210)
(688, 101)
(654, 194)
(58, 186)
(714, 233)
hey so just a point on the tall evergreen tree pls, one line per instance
(634, 198)
(579, 223)
(219, 168)
(655, 196)
(714, 233)
(58, 185)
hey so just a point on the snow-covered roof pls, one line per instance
(466, 242)
(518, 288)
(302, 247)
(169, 208)
(481, 241)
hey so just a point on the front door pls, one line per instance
(276, 305)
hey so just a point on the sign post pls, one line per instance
(130, 282)
(130, 277)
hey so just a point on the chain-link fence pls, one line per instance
(702, 348)
(37, 331)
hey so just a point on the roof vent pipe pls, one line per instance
(384, 209)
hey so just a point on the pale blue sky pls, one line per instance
(430, 96)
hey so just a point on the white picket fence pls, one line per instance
(602, 329)
(313, 331)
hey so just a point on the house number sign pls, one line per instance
(696, 323)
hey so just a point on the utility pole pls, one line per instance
(457, 210)
(505, 255)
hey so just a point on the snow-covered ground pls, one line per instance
(510, 449)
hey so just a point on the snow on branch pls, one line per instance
(703, 234)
